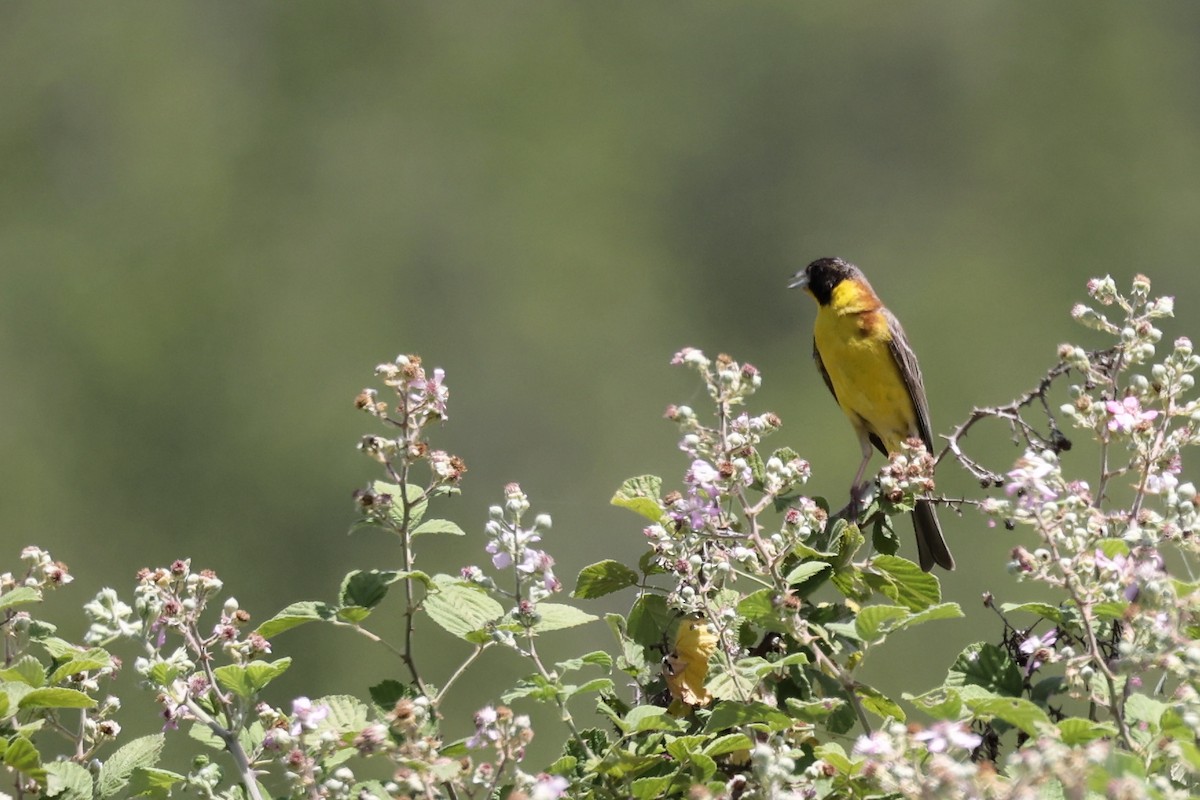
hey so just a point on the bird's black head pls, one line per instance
(821, 276)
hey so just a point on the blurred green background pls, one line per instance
(217, 217)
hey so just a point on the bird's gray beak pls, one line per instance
(799, 280)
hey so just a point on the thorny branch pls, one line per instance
(1103, 364)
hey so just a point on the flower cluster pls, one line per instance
(711, 528)
(908, 474)
(511, 546)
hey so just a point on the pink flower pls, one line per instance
(1127, 415)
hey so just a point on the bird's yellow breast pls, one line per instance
(853, 340)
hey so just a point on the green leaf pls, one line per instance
(986, 665)
(438, 526)
(833, 755)
(387, 693)
(941, 703)
(1077, 730)
(461, 608)
(1016, 711)
(28, 670)
(153, 782)
(940, 611)
(247, 681)
(93, 659)
(346, 713)
(66, 780)
(650, 718)
(603, 577)
(596, 658)
(294, 615)
(366, 588)
(22, 756)
(20, 596)
(904, 582)
(650, 788)
(557, 616)
(878, 703)
(873, 622)
(1045, 610)
(641, 496)
(56, 697)
(116, 772)
(813, 710)
(729, 743)
(731, 714)
(806, 570)
(649, 620)
(417, 505)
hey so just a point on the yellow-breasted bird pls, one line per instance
(868, 365)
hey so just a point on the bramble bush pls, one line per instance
(735, 673)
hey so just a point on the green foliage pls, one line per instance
(749, 620)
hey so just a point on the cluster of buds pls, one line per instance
(420, 399)
(908, 474)
(500, 728)
(512, 546)
(921, 762)
(702, 537)
(42, 572)
(727, 382)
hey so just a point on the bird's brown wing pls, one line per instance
(906, 360)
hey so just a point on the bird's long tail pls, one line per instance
(931, 544)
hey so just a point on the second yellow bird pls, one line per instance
(868, 365)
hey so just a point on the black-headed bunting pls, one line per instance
(869, 366)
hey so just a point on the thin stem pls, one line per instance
(479, 648)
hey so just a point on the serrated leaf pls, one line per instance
(56, 697)
(294, 615)
(1045, 610)
(246, 681)
(417, 505)
(66, 780)
(603, 577)
(460, 608)
(119, 767)
(153, 782)
(729, 743)
(940, 611)
(346, 713)
(366, 588)
(387, 693)
(641, 496)
(22, 756)
(813, 710)
(904, 582)
(93, 659)
(557, 616)
(1016, 711)
(731, 714)
(833, 755)
(20, 596)
(878, 703)
(649, 620)
(986, 665)
(27, 670)
(649, 718)
(941, 703)
(438, 526)
(872, 622)
(806, 570)
(650, 788)
(1077, 730)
